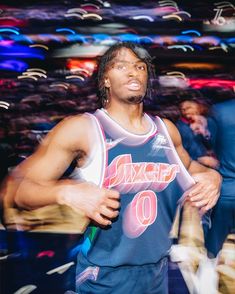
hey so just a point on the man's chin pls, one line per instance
(135, 99)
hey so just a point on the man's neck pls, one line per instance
(131, 117)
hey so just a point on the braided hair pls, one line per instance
(107, 58)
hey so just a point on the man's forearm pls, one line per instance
(196, 167)
(31, 195)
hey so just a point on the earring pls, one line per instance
(106, 100)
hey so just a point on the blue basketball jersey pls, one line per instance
(150, 177)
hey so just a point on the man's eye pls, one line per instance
(141, 67)
(120, 66)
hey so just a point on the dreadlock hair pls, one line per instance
(106, 60)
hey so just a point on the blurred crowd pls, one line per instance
(34, 108)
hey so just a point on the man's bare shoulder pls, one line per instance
(173, 131)
(75, 121)
(170, 126)
(73, 132)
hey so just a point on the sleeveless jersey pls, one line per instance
(150, 177)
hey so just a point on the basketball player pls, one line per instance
(131, 172)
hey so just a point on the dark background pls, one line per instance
(48, 56)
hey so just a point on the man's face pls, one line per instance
(126, 78)
(189, 108)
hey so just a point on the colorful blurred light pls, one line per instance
(13, 65)
(201, 83)
(20, 51)
(86, 67)
(197, 65)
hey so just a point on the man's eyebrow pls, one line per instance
(126, 61)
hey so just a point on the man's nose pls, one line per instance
(132, 70)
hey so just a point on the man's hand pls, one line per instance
(98, 204)
(205, 193)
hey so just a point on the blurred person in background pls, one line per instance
(195, 128)
(130, 172)
(5, 149)
(223, 214)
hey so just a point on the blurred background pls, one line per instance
(49, 52)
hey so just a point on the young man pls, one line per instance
(129, 177)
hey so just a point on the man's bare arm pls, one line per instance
(36, 182)
(205, 193)
(38, 175)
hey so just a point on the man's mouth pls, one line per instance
(133, 86)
